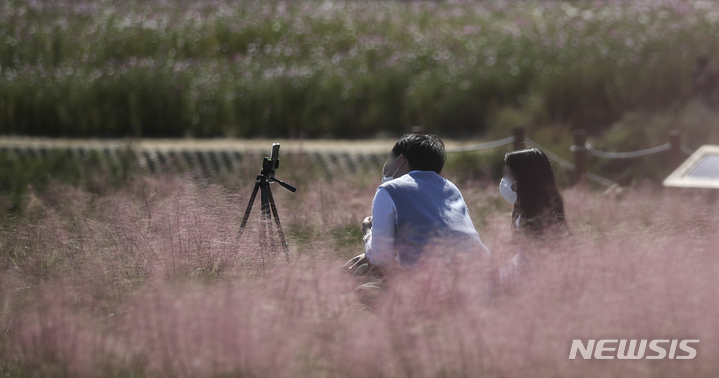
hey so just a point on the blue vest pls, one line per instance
(430, 212)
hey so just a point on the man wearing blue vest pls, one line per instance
(415, 209)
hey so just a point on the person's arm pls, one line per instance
(380, 242)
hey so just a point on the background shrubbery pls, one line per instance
(341, 69)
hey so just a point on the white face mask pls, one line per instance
(505, 189)
(390, 178)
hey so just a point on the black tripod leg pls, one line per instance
(265, 208)
(249, 208)
(279, 225)
(265, 197)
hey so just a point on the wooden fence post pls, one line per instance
(675, 149)
(518, 133)
(580, 156)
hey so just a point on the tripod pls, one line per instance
(269, 210)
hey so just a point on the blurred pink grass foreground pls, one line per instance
(152, 281)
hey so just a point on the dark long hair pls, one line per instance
(540, 204)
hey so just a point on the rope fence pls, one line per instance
(627, 155)
(581, 148)
(483, 146)
(570, 166)
(228, 157)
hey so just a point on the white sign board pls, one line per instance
(701, 170)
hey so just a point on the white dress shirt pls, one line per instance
(380, 241)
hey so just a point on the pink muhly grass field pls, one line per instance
(151, 280)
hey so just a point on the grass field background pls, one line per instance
(171, 68)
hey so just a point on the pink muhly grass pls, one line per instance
(152, 280)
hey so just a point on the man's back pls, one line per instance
(430, 211)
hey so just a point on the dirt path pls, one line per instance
(245, 145)
(221, 155)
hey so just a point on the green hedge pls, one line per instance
(341, 69)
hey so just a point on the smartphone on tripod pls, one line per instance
(275, 158)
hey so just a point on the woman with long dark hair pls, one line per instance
(538, 214)
(529, 184)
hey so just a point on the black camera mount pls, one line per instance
(269, 210)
